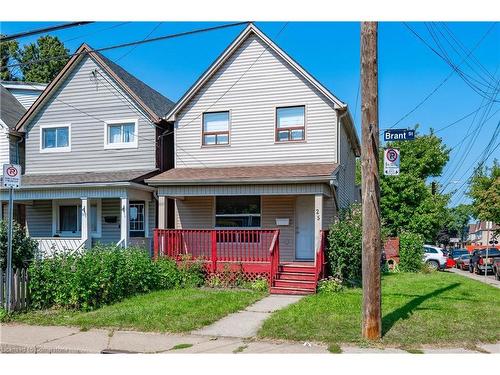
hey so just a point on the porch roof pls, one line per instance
(43, 180)
(282, 173)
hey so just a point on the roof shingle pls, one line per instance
(242, 173)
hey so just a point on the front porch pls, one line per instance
(255, 253)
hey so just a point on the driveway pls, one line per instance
(490, 279)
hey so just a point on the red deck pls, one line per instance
(253, 252)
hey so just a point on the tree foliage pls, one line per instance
(23, 247)
(485, 193)
(411, 252)
(51, 51)
(7, 54)
(407, 202)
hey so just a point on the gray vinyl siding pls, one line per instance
(25, 97)
(194, 213)
(100, 102)
(274, 207)
(4, 147)
(347, 171)
(266, 81)
(39, 219)
(110, 231)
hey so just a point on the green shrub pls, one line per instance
(344, 246)
(260, 284)
(411, 252)
(23, 247)
(103, 275)
(330, 285)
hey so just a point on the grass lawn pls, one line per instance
(178, 310)
(436, 308)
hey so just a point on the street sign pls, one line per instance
(11, 176)
(391, 162)
(399, 135)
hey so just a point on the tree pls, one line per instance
(407, 201)
(52, 53)
(23, 247)
(484, 190)
(459, 218)
(7, 55)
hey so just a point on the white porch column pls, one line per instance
(162, 212)
(86, 237)
(124, 221)
(318, 220)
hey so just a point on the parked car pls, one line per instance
(457, 253)
(434, 257)
(496, 268)
(463, 261)
(478, 262)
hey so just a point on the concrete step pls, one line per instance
(295, 291)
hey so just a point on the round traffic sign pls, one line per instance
(12, 172)
(392, 155)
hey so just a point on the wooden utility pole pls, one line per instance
(372, 325)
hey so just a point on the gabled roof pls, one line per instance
(23, 85)
(251, 29)
(154, 104)
(278, 173)
(10, 108)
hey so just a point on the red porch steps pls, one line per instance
(295, 278)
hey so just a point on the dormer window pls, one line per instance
(55, 138)
(290, 124)
(215, 128)
(121, 134)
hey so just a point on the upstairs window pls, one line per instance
(237, 212)
(121, 134)
(55, 138)
(290, 124)
(216, 128)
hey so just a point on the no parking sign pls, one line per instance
(11, 176)
(391, 162)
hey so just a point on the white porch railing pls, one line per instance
(50, 245)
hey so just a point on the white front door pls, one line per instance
(304, 227)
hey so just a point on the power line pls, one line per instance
(464, 117)
(43, 30)
(444, 80)
(134, 47)
(129, 44)
(96, 31)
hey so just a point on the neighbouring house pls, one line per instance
(482, 232)
(91, 139)
(25, 92)
(11, 141)
(260, 145)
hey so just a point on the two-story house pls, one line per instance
(259, 144)
(91, 139)
(15, 99)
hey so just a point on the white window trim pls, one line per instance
(121, 145)
(55, 149)
(75, 202)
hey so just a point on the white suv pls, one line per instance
(434, 257)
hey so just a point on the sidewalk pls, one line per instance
(16, 338)
(490, 279)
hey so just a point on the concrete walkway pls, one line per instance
(16, 338)
(489, 279)
(246, 323)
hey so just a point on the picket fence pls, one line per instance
(20, 290)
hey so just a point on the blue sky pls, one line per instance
(408, 70)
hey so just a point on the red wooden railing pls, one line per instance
(320, 262)
(274, 251)
(219, 245)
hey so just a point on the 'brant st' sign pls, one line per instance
(399, 135)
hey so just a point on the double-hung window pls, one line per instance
(237, 212)
(121, 134)
(55, 138)
(290, 124)
(68, 219)
(215, 128)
